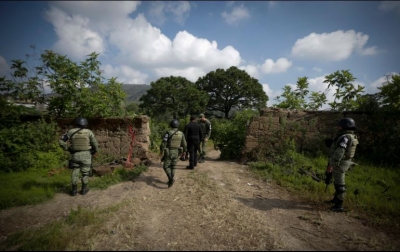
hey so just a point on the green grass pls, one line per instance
(71, 233)
(373, 192)
(31, 187)
(37, 186)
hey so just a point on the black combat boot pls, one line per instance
(74, 190)
(338, 206)
(84, 189)
(170, 180)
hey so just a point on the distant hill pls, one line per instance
(135, 91)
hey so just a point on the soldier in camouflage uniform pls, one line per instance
(172, 142)
(342, 151)
(206, 128)
(83, 145)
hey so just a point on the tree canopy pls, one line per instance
(232, 88)
(75, 89)
(173, 95)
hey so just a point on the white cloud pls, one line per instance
(188, 49)
(134, 42)
(179, 10)
(190, 73)
(369, 51)
(269, 66)
(125, 74)
(272, 94)
(317, 69)
(334, 46)
(4, 68)
(75, 38)
(280, 66)
(390, 6)
(237, 14)
(300, 69)
(252, 70)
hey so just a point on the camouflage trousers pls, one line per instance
(339, 175)
(170, 161)
(85, 160)
(202, 149)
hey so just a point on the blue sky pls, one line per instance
(274, 41)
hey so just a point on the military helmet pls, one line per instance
(201, 115)
(80, 121)
(174, 123)
(347, 123)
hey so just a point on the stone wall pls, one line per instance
(113, 134)
(307, 128)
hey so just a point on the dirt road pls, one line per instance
(217, 206)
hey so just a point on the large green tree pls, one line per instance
(232, 89)
(175, 96)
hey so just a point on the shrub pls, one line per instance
(230, 134)
(30, 144)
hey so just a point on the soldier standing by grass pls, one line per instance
(206, 128)
(342, 151)
(171, 142)
(82, 145)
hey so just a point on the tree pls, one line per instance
(389, 94)
(232, 88)
(297, 99)
(317, 99)
(132, 108)
(76, 89)
(80, 89)
(173, 95)
(346, 93)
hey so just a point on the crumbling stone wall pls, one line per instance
(307, 128)
(113, 134)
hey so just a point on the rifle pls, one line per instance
(328, 178)
(91, 163)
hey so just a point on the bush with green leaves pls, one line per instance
(29, 145)
(230, 134)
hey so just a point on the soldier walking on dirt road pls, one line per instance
(172, 141)
(206, 128)
(193, 134)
